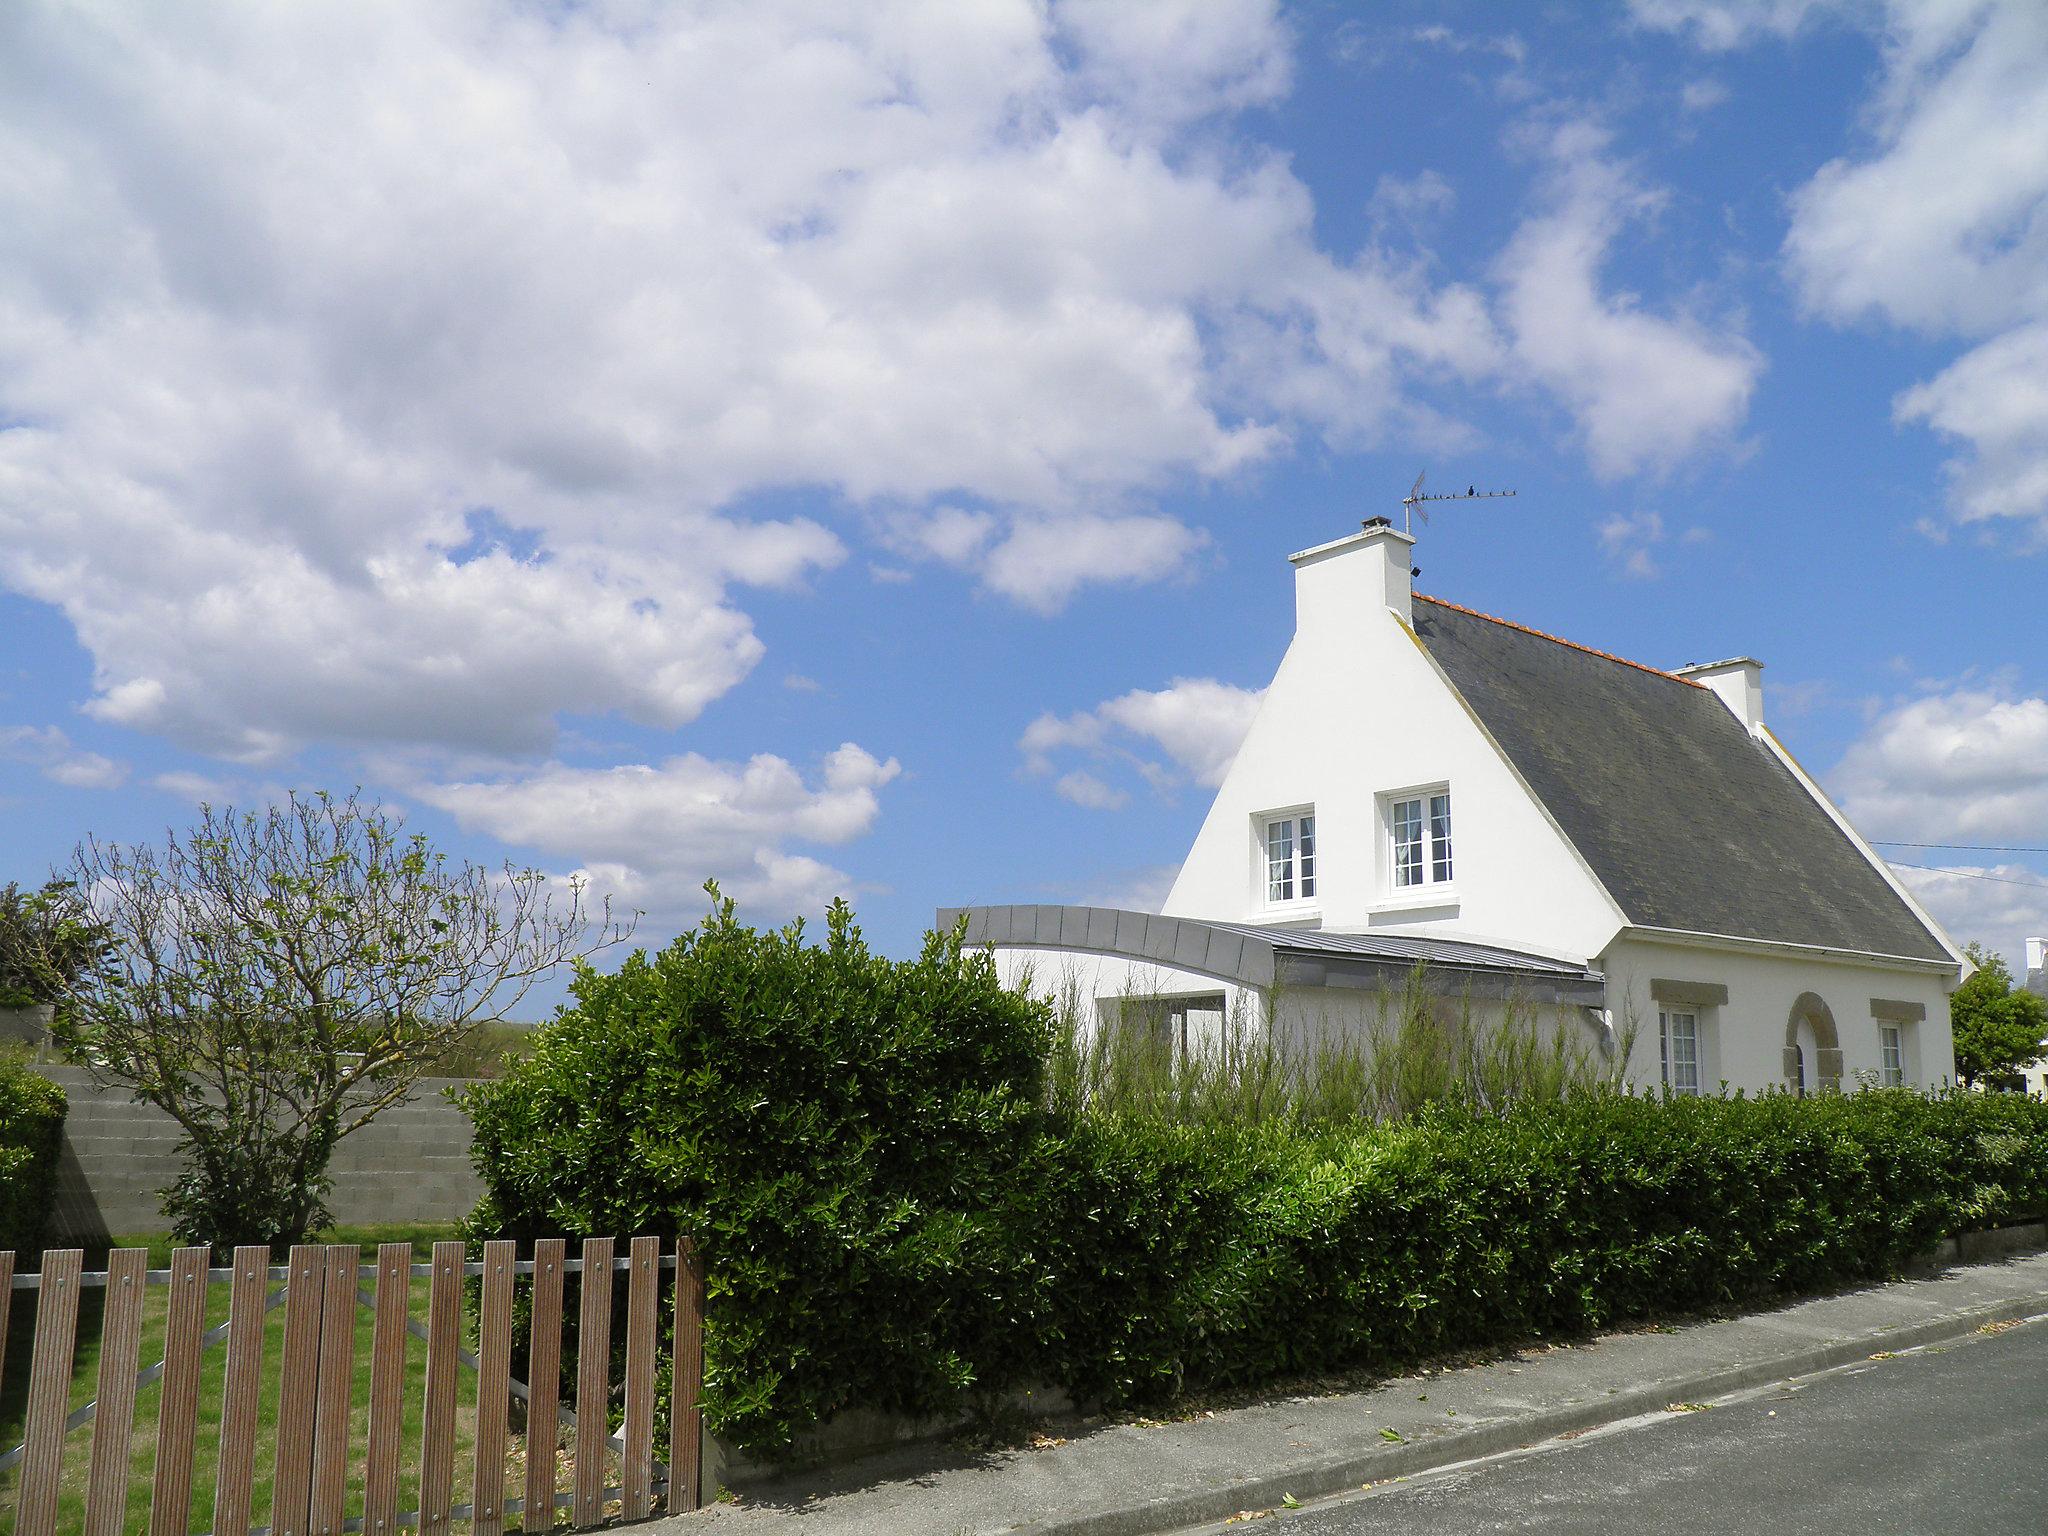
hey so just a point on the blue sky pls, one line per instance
(861, 456)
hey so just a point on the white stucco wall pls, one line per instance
(1746, 1036)
(1356, 710)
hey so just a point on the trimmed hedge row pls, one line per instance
(32, 1110)
(890, 1219)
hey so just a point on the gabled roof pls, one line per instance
(1689, 821)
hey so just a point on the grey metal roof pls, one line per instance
(1687, 820)
(1260, 957)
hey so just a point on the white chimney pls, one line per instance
(1740, 683)
(1337, 584)
(2037, 958)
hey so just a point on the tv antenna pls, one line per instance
(1415, 504)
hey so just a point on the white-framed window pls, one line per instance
(1678, 1036)
(1891, 1055)
(1289, 845)
(1419, 838)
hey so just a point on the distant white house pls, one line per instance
(2035, 978)
(1629, 847)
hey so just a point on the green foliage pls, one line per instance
(276, 981)
(1998, 1028)
(1418, 1049)
(47, 941)
(840, 1133)
(900, 1208)
(32, 1112)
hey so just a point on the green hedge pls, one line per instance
(31, 1131)
(889, 1219)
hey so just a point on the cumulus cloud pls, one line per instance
(1632, 542)
(51, 752)
(1939, 225)
(296, 302)
(649, 834)
(1646, 390)
(2001, 905)
(1188, 730)
(1965, 766)
(1719, 25)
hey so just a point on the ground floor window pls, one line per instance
(1679, 1038)
(1891, 1056)
(1168, 1028)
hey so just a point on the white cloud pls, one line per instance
(1719, 25)
(1995, 398)
(1630, 543)
(1967, 766)
(1132, 890)
(2001, 905)
(1646, 390)
(1089, 792)
(299, 305)
(1939, 225)
(49, 750)
(1188, 730)
(649, 835)
(1703, 95)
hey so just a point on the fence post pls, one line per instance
(643, 1319)
(170, 1501)
(543, 1383)
(298, 1388)
(593, 1378)
(6, 1298)
(387, 1380)
(234, 1483)
(113, 1420)
(49, 1391)
(493, 1393)
(685, 1416)
(337, 1382)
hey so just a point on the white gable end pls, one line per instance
(1358, 720)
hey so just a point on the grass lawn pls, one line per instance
(85, 1375)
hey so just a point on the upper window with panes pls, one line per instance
(1419, 839)
(1288, 846)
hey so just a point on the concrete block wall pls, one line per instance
(410, 1164)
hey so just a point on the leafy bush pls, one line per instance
(840, 1133)
(899, 1208)
(32, 1112)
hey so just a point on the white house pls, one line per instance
(2035, 979)
(1532, 817)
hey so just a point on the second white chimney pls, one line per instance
(1740, 683)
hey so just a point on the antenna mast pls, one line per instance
(1415, 504)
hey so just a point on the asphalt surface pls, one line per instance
(1947, 1439)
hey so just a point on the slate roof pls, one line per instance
(1687, 820)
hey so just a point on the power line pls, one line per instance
(2032, 885)
(1892, 842)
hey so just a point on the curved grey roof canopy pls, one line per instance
(1290, 957)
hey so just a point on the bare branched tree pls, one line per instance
(277, 980)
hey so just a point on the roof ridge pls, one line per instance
(1526, 629)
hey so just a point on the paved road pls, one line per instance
(1954, 1440)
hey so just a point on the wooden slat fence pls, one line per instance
(313, 1476)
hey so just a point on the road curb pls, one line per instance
(1372, 1461)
